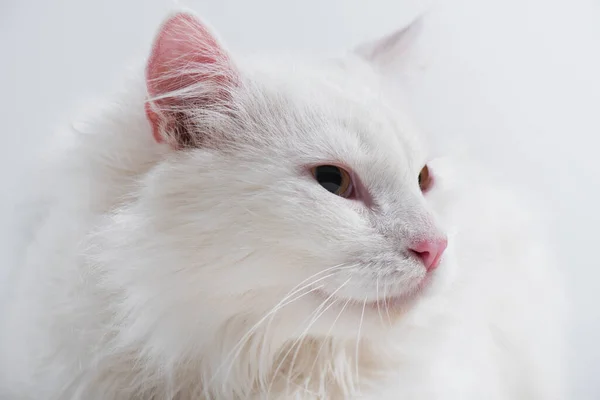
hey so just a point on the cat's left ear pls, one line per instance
(392, 49)
(188, 72)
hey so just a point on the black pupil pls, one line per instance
(329, 177)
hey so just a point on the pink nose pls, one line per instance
(430, 251)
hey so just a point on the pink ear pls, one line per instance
(187, 68)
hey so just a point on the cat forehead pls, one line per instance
(332, 110)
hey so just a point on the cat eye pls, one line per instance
(424, 179)
(333, 179)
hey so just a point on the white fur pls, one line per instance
(157, 273)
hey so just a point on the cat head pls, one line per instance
(293, 198)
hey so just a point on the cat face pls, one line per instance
(292, 197)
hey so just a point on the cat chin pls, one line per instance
(321, 315)
(382, 301)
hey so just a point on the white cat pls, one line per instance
(236, 229)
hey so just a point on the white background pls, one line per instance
(515, 81)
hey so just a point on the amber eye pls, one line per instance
(424, 179)
(333, 179)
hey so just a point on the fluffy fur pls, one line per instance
(205, 262)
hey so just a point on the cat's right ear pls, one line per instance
(188, 69)
(391, 50)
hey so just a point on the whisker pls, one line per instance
(377, 295)
(338, 267)
(316, 314)
(362, 316)
(293, 291)
(239, 346)
(236, 350)
(385, 302)
(328, 334)
(273, 318)
(299, 345)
